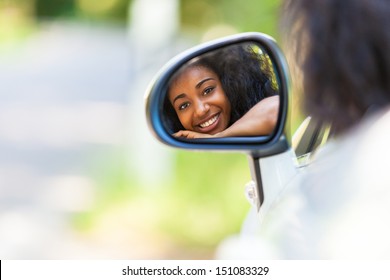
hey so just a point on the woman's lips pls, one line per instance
(210, 124)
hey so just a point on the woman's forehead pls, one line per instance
(188, 77)
(194, 72)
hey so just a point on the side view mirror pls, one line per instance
(240, 72)
(227, 94)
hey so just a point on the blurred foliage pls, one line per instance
(58, 8)
(202, 204)
(195, 16)
(16, 20)
(102, 10)
(241, 16)
(113, 10)
(209, 194)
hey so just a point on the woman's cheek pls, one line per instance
(185, 119)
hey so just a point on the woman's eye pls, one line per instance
(208, 90)
(184, 106)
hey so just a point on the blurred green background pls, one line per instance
(185, 214)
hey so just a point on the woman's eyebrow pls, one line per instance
(198, 85)
(202, 82)
(182, 95)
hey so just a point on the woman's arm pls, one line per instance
(259, 120)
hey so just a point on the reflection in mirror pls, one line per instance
(229, 92)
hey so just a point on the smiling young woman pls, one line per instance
(222, 94)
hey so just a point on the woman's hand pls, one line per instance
(191, 134)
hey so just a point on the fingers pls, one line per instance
(184, 134)
(190, 134)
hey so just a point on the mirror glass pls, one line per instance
(232, 91)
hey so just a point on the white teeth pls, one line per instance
(209, 122)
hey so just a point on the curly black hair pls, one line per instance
(342, 49)
(246, 74)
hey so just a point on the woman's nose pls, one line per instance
(202, 108)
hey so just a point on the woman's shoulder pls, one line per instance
(347, 189)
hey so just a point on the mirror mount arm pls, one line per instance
(257, 191)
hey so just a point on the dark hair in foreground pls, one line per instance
(342, 48)
(246, 76)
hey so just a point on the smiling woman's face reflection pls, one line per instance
(199, 100)
(228, 92)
